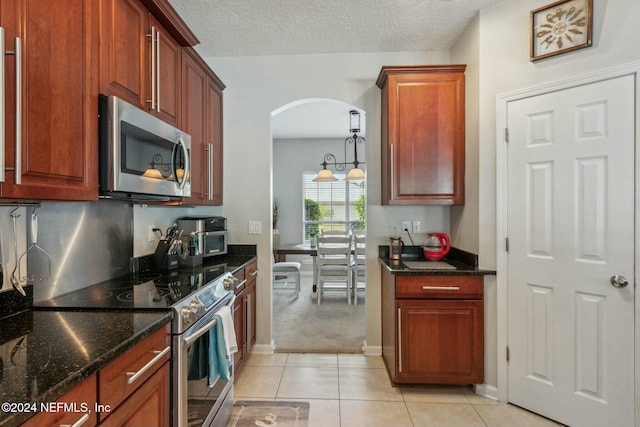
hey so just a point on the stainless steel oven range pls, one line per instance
(194, 298)
(198, 399)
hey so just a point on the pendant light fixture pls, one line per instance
(325, 175)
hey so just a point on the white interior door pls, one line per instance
(571, 229)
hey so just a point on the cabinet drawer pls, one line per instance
(251, 271)
(128, 372)
(440, 287)
(240, 275)
(83, 393)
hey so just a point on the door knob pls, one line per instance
(618, 281)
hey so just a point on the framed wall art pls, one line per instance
(561, 27)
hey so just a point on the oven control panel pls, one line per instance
(204, 300)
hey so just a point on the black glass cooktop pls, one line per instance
(141, 291)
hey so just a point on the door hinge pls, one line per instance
(506, 244)
(507, 354)
(506, 135)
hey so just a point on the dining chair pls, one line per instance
(334, 264)
(286, 268)
(358, 268)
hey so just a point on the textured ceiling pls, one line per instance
(289, 27)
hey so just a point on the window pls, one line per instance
(337, 205)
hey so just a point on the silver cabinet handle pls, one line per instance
(133, 376)
(618, 281)
(254, 273)
(399, 340)
(18, 120)
(18, 166)
(2, 114)
(78, 423)
(153, 67)
(209, 149)
(157, 71)
(441, 288)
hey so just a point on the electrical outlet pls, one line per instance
(405, 226)
(152, 234)
(416, 227)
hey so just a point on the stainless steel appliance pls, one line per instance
(141, 156)
(194, 297)
(211, 232)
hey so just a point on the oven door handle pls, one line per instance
(197, 334)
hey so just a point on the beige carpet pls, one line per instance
(300, 325)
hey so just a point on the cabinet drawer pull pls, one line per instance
(133, 376)
(441, 288)
(241, 284)
(254, 273)
(399, 340)
(78, 423)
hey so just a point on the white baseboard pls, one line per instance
(486, 390)
(264, 348)
(371, 350)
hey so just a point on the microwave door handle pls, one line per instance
(187, 164)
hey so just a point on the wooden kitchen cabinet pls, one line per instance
(202, 119)
(433, 329)
(245, 313)
(140, 61)
(141, 400)
(83, 393)
(55, 150)
(148, 406)
(423, 125)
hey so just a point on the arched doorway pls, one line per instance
(302, 133)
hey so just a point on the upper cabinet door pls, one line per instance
(423, 135)
(54, 71)
(139, 60)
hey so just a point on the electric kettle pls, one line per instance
(436, 246)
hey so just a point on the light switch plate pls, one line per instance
(255, 227)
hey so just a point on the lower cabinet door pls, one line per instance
(147, 406)
(440, 341)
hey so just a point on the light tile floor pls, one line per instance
(347, 390)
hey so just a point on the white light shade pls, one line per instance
(355, 174)
(325, 175)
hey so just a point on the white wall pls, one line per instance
(256, 86)
(502, 38)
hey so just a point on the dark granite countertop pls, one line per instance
(465, 263)
(44, 354)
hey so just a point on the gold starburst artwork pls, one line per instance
(560, 27)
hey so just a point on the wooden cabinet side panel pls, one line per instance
(389, 322)
(214, 136)
(239, 325)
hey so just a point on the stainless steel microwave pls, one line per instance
(141, 156)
